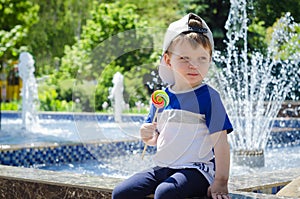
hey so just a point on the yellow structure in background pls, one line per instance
(10, 85)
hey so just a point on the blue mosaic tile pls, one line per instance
(270, 190)
(287, 123)
(44, 155)
(106, 118)
(287, 138)
(11, 115)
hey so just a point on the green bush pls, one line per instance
(11, 106)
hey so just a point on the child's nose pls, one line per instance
(193, 64)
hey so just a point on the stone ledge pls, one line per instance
(264, 179)
(19, 189)
(292, 189)
(18, 182)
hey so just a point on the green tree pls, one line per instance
(17, 16)
(59, 25)
(112, 25)
(214, 12)
(113, 39)
(269, 11)
(262, 14)
(287, 48)
(257, 35)
(157, 13)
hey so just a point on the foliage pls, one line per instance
(264, 14)
(256, 36)
(65, 89)
(49, 101)
(10, 106)
(157, 13)
(17, 16)
(107, 36)
(288, 49)
(136, 89)
(134, 110)
(73, 96)
(83, 95)
(110, 42)
(81, 43)
(269, 11)
(214, 13)
(59, 25)
(9, 42)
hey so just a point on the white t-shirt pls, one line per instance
(185, 125)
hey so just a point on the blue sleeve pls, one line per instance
(151, 114)
(216, 116)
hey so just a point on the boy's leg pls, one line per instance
(184, 183)
(141, 184)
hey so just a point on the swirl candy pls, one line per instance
(160, 99)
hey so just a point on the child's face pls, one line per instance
(189, 64)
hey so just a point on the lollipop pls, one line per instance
(160, 99)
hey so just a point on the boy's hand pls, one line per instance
(148, 133)
(218, 190)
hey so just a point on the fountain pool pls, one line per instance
(111, 149)
(124, 166)
(67, 128)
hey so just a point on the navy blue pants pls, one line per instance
(163, 183)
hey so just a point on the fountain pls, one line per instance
(116, 96)
(29, 93)
(251, 89)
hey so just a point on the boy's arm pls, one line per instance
(222, 162)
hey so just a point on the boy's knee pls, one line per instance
(119, 193)
(166, 190)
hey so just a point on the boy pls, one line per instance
(193, 154)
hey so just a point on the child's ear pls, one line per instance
(167, 59)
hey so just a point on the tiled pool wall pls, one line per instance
(79, 152)
(77, 116)
(287, 133)
(273, 189)
(67, 153)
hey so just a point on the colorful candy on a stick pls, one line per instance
(160, 99)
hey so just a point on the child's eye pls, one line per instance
(184, 59)
(203, 59)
